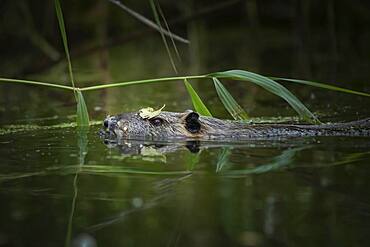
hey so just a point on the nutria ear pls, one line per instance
(192, 123)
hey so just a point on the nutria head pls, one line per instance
(163, 126)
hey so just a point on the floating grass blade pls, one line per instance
(235, 110)
(198, 104)
(271, 86)
(82, 113)
(321, 85)
(161, 31)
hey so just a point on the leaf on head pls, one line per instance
(149, 112)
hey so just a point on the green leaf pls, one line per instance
(35, 83)
(82, 113)
(235, 110)
(271, 86)
(149, 112)
(198, 104)
(321, 85)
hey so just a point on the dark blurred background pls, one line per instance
(315, 40)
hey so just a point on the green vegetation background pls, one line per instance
(109, 45)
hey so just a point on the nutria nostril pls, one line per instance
(106, 123)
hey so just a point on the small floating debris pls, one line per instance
(149, 112)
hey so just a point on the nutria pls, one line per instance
(190, 125)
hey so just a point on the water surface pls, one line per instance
(60, 186)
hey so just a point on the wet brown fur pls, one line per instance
(175, 125)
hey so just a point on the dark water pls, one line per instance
(57, 184)
(60, 186)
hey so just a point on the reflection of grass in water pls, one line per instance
(15, 128)
(152, 158)
(192, 161)
(223, 158)
(282, 161)
(100, 170)
(73, 207)
(163, 192)
(286, 158)
(82, 144)
(348, 159)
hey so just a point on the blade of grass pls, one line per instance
(271, 86)
(168, 29)
(58, 10)
(321, 85)
(36, 83)
(161, 31)
(147, 21)
(235, 110)
(264, 82)
(82, 113)
(198, 104)
(147, 81)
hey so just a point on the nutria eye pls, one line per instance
(156, 121)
